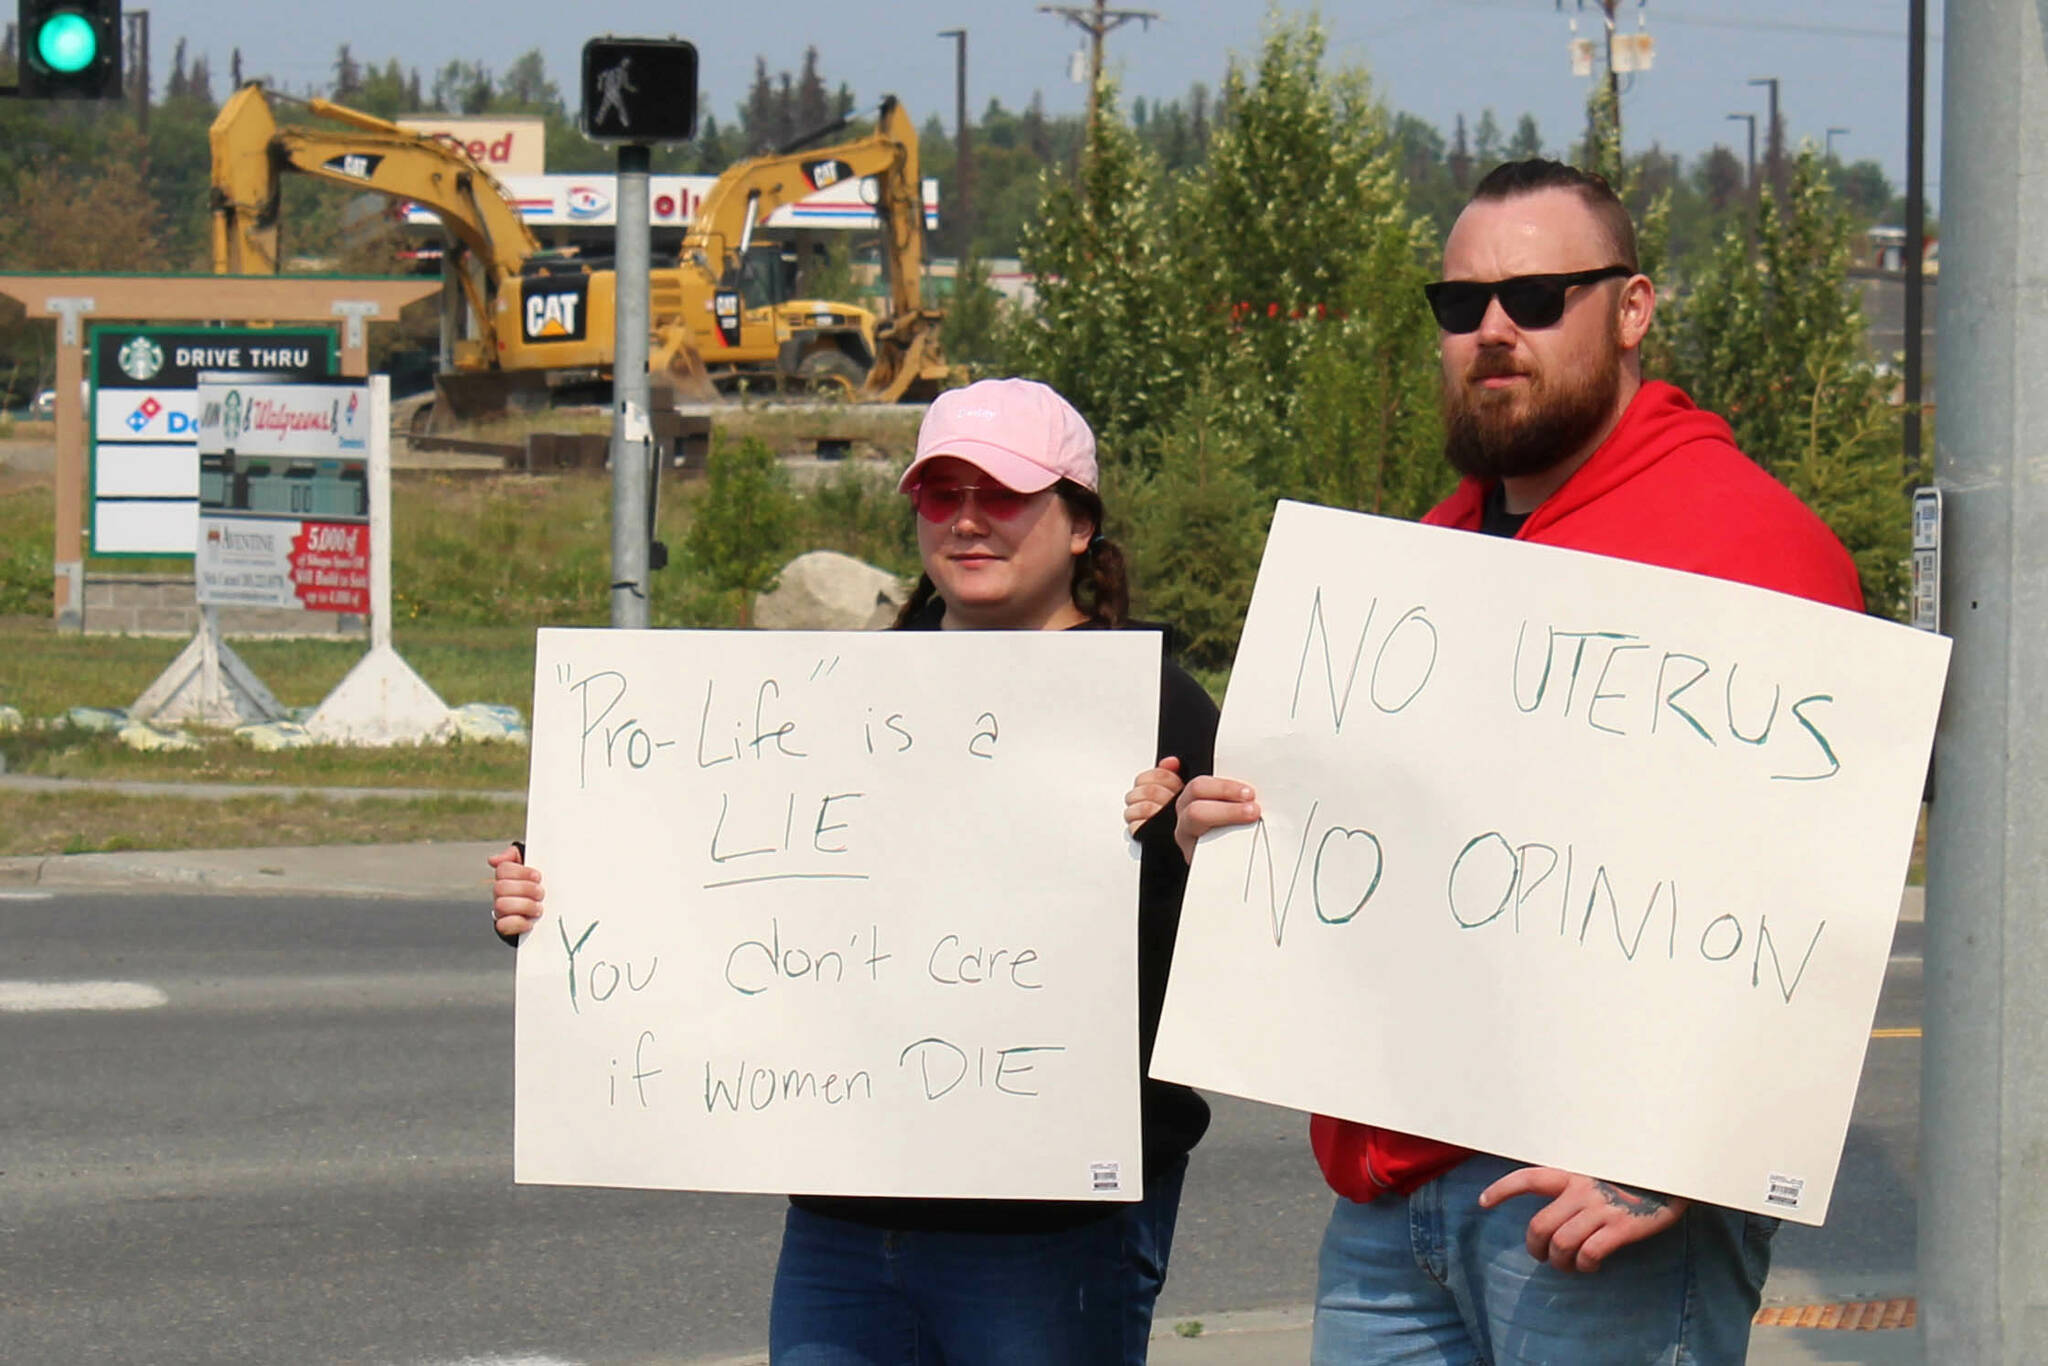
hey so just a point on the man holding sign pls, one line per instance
(1542, 314)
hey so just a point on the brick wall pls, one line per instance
(164, 605)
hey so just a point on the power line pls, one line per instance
(1665, 16)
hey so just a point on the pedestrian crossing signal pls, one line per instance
(69, 49)
(639, 90)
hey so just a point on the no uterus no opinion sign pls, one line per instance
(1579, 862)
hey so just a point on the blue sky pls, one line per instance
(1841, 63)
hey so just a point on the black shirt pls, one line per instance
(1173, 1117)
(1494, 517)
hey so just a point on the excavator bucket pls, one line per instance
(472, 396)
(685, 370)
(908, 367)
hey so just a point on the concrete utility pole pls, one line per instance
(963, 150)
(1983, 1242)
(1097, 22)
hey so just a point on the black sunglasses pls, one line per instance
(1528, 300)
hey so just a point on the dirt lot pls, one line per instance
(25, 462)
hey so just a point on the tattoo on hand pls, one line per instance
(1641, 1204)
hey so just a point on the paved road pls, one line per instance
(289, 1140)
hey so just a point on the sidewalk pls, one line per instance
(457, 872)
(1274, 1337)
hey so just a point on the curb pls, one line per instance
(21, 782)
(427, 871)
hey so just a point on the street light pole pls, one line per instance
(1831, 139)
(1774, 154)
(1916, 220)
(963, 152)
(1750, 119)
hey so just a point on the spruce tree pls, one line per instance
(742, 522)
(1776, 343)
(1111, 330)
(1307, 265)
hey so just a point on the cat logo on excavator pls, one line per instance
(553, 311)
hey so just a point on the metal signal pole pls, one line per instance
(632, 424)
(1983, 1225)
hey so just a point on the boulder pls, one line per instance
(827, 591)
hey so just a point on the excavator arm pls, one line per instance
(723, 227)
(252, 153)
(906, 359)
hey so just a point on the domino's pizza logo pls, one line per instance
(145, 413)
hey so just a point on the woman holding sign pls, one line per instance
(1009, 530)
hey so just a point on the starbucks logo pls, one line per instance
(141, 358)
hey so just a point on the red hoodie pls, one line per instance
(1669, 488)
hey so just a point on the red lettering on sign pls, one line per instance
(331, 567)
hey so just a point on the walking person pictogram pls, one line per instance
(613, 86)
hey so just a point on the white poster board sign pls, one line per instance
(1576, 861)
(835, 913)
(285, 517)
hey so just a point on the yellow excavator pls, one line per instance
(735, 308)
(725, 315)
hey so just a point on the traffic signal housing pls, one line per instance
(639, 90)
(69, 49)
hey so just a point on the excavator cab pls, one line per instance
(766, 276)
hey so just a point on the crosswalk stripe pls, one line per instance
(22, 997)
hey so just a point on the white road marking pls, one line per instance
(36, 996)
(28, 896)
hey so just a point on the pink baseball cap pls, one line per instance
(1017, 430)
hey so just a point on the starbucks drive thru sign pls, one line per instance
(145, 477)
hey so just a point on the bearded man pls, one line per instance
(1434, 1254)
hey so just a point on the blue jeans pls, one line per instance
(847, 1294)
(1432, 1278)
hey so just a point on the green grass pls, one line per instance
(480, 562)
(66, 752)
(37, 823)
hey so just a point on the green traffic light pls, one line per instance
(68, 43)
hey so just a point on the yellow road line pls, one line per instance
(1909, 1032)
(1866, 1315)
